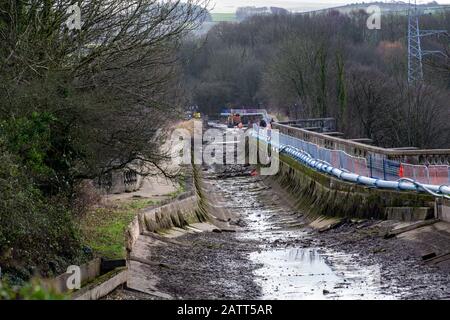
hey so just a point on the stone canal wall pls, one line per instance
(318, 194)
(188, 208)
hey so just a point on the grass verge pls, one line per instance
(103, 229)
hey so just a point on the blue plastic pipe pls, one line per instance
(321, 166)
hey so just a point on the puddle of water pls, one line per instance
(295, 272)
(299, 273)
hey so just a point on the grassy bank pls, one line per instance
(103, 228)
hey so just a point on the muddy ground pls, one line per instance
(274, 254)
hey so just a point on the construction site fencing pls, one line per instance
(374, 166)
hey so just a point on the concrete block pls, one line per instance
(89, 272)
(443, 209)
(409, 213)
(98, 291)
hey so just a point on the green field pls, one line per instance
(223, 17)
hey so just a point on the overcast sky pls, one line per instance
(231, 5)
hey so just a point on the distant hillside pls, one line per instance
(223, 17)
(243, 13)
(398, 6)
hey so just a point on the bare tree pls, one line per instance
(113, 85)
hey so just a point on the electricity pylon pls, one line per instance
(415, 52)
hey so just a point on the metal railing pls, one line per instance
(357, 149)
(247, 112)
(375, 167)
(323, 124)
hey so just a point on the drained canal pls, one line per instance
(265, 249)
(287, 267)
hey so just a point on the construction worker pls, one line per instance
(230, 121)
(237, 119)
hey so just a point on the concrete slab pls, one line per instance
(205, 227)
(98, 291)
(186, 230)
(433, 238)
(141, 277)
(174, 233)
(143, 246)
(323, 222)
(194, 229)
(443, 209)
(409, 213)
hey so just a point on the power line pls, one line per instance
(415, 51)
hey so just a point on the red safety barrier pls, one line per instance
(335, 160)
(439, 175)
(375, 167)
(360, 167)
(417, 173)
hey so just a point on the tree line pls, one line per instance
(326, 65)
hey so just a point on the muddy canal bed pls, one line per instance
(274, 255)
(288, 263)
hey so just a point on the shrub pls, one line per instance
(33, 290)
(36, 233)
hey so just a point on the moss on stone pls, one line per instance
(322, 195)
